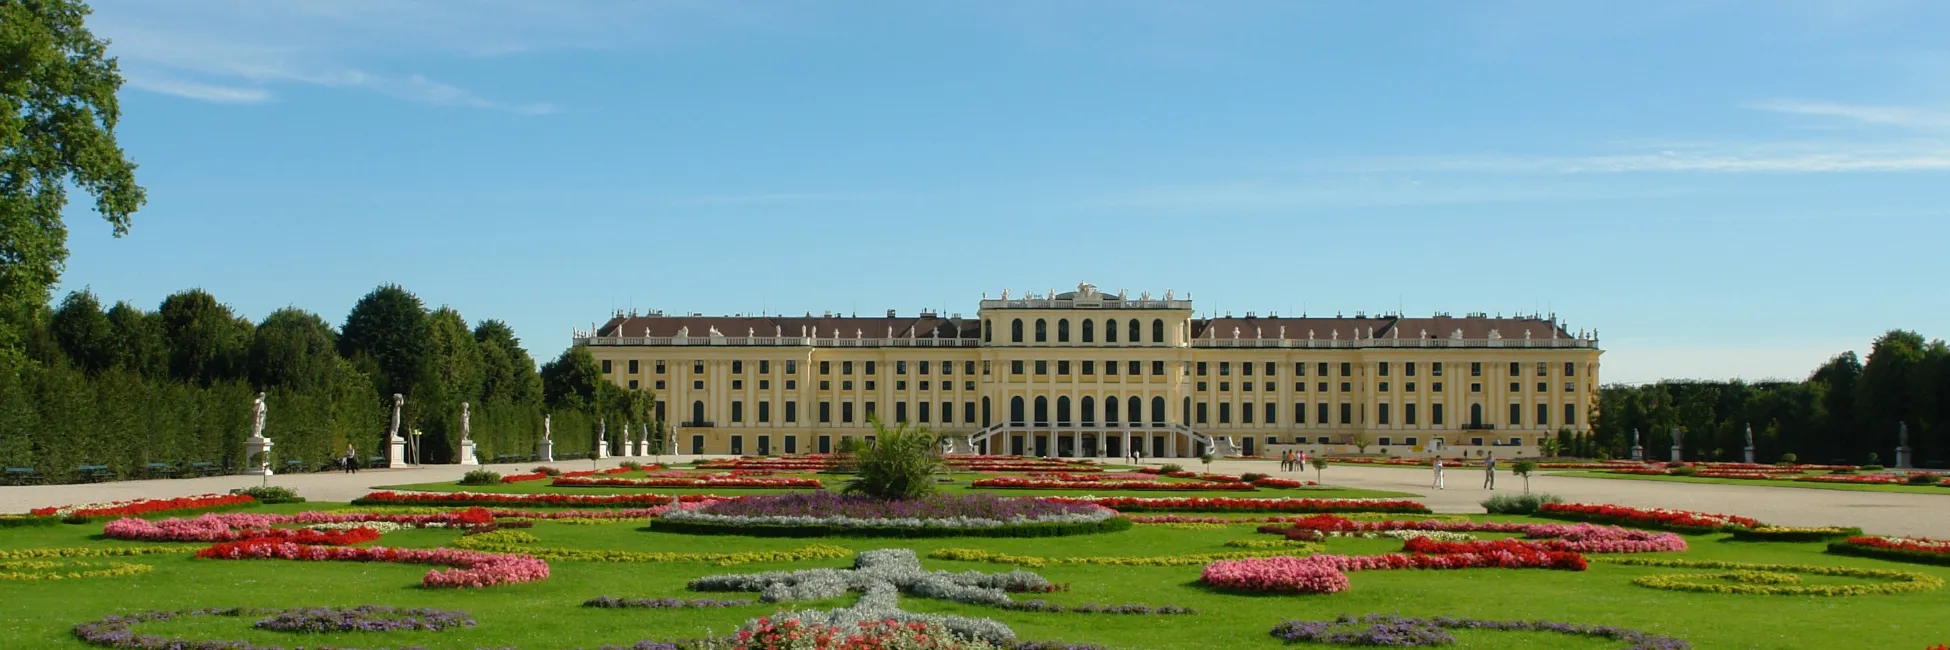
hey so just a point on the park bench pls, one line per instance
(294, 466)
(204, 469)
(158, 470)
(22, 476)
(506, 458)
(93, 473)
(375, 461)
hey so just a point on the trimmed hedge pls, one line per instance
(1792, 534)
(1112, 525)
(24, 521)
(1893, 555)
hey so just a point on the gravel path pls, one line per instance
(1877, 512)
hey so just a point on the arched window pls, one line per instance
(1089, 331)
(1015, 411)
(1063, 411)
(1135, 407)
(1042, 331)
(1158, 411)
(1015, 331)
(1089, 406)
(1110, 331)
(1063, 330)
(1042, 411)
(1476, 415)
(697, 412)
(985, 413)
(988, 331)
(1137, 331)
(1157, 330)
(1110, 410)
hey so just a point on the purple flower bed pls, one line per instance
(941, 506)
(1406, 632)
(364, 618)
(608, 602)
(118, 632)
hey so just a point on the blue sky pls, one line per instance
(1722, 189)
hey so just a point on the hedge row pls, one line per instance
(1894, 555)
(1114, 524)
(1792, 534)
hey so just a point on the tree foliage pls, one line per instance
(900, 463)
(389, 332)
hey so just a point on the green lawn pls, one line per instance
(547, 614)
(1852, 487)
(958, 486)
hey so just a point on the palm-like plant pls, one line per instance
(900, 464)
(1523, 468)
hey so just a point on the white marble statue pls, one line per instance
(466, 423)
(257, 417)
(399, 401)
(548, 431)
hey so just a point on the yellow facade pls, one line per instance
(1042, 375)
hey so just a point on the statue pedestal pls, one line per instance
(398, 456)
(1638, 453)
(467, 453)
(1902, 458)
(548, 451)
(1676, 456)
(1750, 455)
(258, 447)
(602, 449)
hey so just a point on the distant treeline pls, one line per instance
(1846, 411)
(125, 387)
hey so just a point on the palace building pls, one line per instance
(1090, 374)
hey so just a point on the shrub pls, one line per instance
(481, 477)
(1518, 504)
(1871, 468)
(1251, 476)
(1789, 458)
(1921, 478)
(901, 463)
(633, 465)
(1168, 468)
(547, 470)
(1684, 471)
(271, 494)
(1787, 534)
(1842, 470)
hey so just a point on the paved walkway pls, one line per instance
(1878, 512)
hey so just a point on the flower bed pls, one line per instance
(512, 541)
(364, 618)
(470, 568)
(826, 513)
(139, 507)
(67, 569)
(1181, 559)
(89, 551)
(1775, 579)
(1325, 574)
(1579, 538)
(1032, 483)
(1287, 483)
(608, 602)
(1681, 521)
(1237, 504)
(465, 499)
(215, 528)
(1857, 479)
(709, 481)
(1900, 549)
(1793, 534)
(1397, 631)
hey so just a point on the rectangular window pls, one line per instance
(792, 444)
(1408, 368)
(1225, 413)
(1384, 441)
(1225, 385)
(968, 385)
(605, 366)
(1299, 368)
(1570, 387)
(792, 384)
(1570, 415)
(1201, 368)
(1201, 386)
(1299, 386)
(870, 367)
(1543, 387)
(1381, 414)
(1347, 369)
(1435, 368)
(1516, 387)
(1475, 387)
(1110, 368)
(1042, 367)
(846, 367)
(1321, 440)
(1272, 413)
(924, 367)
(764, 384)
(660, 384)
(737, 384)
(660, 366)
(1246, 386)
(1201, 412)
(1543, 369)
(1015, 367)
(869, 409)
(1435, 414)
(1320, 413)
(900, 411)
(900, 384)
(1299, 413)
(1347, 387)
(791, 366)
(1516, 414)
(968, 367)
(764, 412)
(738, 445)
(764, 366)
(1435, 386)
(900, 367)
(846, 385)
(1570, 368)
(1411, 441)
(1543, 415)
(1270, 370)
(1320, 369)
(1063, 366)
(1347, 413)
(967, 412)
(1408, 414)
(1246, 413)
(846, 411)
(737, 367)
(697, 367)
(1321, 387)
(825, 412)
(1516, 369)
(1383, 367)
(1157, 368)
(1410, 387)
(1245, 369)
(1089, 367)
(633, 366)
(697, 385)
(1383, 386)
(791, 412)
(1475, 368)
(825, 367)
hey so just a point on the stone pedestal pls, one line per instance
(467, 456)
(258, 447)
(1750, 455)
(602, 449)
(398, 456)
(637, 448)
(547, 451)
(1676, 456)
(1903, 458)
(1638, 452)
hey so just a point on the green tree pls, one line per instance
(1524, 468)
(572, 379)
(57, 131)
(388, 335)
(1887, 392)
(293, 348)
(900, 464)
(84, 332)
(206, 342)
(138, 340)
(508, 372)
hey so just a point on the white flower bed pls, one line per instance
(905, 522)
(376, 526)
(881, 576)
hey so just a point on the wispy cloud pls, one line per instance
(243, 51)
(1726, 158)
(1906, 117)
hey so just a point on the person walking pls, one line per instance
(1489, 472)
(1303, 460)
(1286, 460)
(1438, 472)
(351, 459)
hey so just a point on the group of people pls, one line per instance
(1489, 473)
(1291, 460)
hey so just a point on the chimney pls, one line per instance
(890, 313)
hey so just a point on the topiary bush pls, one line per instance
(547, 470)
(481, 477)
(1789, 458)
(271, 494)
(631, 464)
(1168, 468)
(1252, 476)
(1518, 504)
(900, 464)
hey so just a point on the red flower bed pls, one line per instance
(471, 569)
(493, 499)
(1860, 479)
(1271, 482)
(1677, 520)
(692, 482)
(1027, 483)
(1908, 544)
(517, 478)
(145, 506)
(1238, 504)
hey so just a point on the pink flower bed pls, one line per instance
(1581, 538)
(232, 527)
(1028, 483)
(1326, 574)
(471, 569)
(1271, 482)
(705, 481)
(1860, 479)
